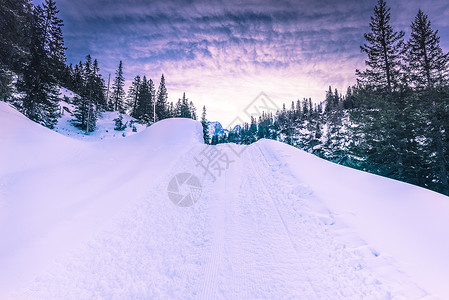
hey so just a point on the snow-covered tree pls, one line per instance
(39, 81)
(162, 111)
(205, 125)
(118, 92)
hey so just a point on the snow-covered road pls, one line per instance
(98, 223)
(251, 235)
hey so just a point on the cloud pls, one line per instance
(223, 53)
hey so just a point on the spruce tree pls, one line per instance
(119, 125)
(429, 68)
(133, 96)
(118, 92)
(329, 100)
(185, 111)
(144, 109)
(384, 48)
(171, 110)
(192, 110)
(428, 64)
(178, 109)
(85, 113)
(205, 125)
(151, 110)
(162, 110)
(15, 20)
(54, 41)
(39, 81)
(381, 134)
(98, 88)
(91, 95)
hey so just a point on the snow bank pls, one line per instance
(398, 220)
(179, 131)
(25, 144)
(56, 193)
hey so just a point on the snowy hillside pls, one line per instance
(85, 220)
(105, 123)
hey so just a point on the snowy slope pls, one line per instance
(94, 220)
(105, 123)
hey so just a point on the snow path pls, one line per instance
(81, 220)
(252, 235)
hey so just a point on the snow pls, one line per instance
(65, 93)
(104, 127)
(401, 221)
(92, 219)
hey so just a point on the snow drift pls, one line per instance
(57, 192)
(85, 219)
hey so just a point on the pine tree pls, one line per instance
(298, 110)
(90, 97)
(78, 80)
(15, 18)
(429, 68)
(161, 101)
(171, 110)
(428, 64)
(329, 100)
(151, 112)
(54, 42)
(348, 101)
(39, 80)
(305, 108)
(184, 107)
(178, 109)
(192, 110)
(205, 125)
(381, 138)
(119, 125)
(384, 48)
(214, 140)
(6, 79)
(118, 93)
(133, 96)
(98, 87)
(85, 113)
(144, 109)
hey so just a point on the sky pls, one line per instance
(223, 54)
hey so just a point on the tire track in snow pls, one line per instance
(257, 173)
(345, 274)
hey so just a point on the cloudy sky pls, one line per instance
(224, 53)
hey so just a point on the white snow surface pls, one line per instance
(105, 123)
(92, 219)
